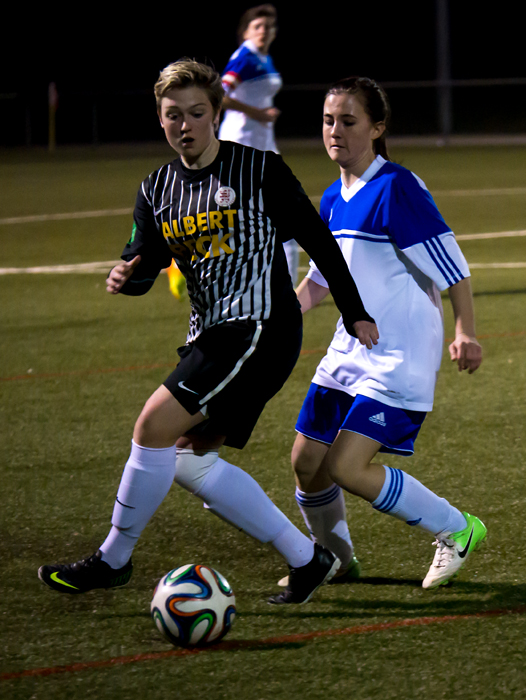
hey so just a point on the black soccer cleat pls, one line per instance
(305, 580)
(85, 575)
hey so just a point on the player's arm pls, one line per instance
(239, 69)
(292, 212)
(418, 229)
(270, 114)
(120, 274)
(144, 256)
(465, 350)
(310, 294)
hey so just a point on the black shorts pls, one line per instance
(230, 371)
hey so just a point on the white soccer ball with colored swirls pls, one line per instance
(193, 605)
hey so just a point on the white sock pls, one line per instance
(235, 496)
(407, 499)
(325, 518)
(145, 481)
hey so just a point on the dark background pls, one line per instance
(105, 61)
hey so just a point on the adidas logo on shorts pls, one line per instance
(379, 418)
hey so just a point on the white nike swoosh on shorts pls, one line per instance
(181, 384)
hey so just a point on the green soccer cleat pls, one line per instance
(85, 575)
(350, 574)
(452, 551)
(347, 575)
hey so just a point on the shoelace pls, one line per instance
(84, 563)
(445, 552)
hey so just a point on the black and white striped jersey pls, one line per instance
(224, 225)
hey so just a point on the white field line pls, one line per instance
(38, 218)
(315, 198)
(482, 236)
(105, 267)
(488, 192)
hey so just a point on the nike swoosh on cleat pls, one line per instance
(463, 553)
(54, 577)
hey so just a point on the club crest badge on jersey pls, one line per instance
(225, 196)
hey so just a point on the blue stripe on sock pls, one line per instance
(394, 491)
(308, 501)
(387, 503)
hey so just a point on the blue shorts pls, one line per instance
(327, 411)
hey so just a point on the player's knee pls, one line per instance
(304, 468)
(306, 459)
(151, 431)
(342, 472)
(347, 473)
(192, 468)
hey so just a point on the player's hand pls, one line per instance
(121, 274)
(270, 114)
(466, 352)
(367, 333)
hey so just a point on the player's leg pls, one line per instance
(322, 505)
(229, 491)
(390, 491)
(233, 495)
(176, 281)
(320, 500)
(146, 479)
(292, 253)
(396, 493)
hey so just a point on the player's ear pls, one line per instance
(216, 120)
(378, 130)
(160, 117)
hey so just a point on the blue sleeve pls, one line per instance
(412, 214)
(325, 209)
(244, 65)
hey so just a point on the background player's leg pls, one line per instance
(391, 491)
(320, 500)
(396, 493)
(292, 253)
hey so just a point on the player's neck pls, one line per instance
(205, 158)
(353, 171)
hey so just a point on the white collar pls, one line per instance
(253, 48)
(349, 192)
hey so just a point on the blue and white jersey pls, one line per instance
(401, 254)
(250, 77)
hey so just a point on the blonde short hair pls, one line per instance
(189, 73)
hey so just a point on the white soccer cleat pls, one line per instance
(453, 550)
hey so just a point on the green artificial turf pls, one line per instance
(77, 366)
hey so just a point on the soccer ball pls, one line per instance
(193, 605)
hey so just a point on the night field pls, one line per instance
(77, 366)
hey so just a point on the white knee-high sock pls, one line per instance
(236, 497)
(325, 517)
(145, 481)
(407, 499)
